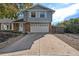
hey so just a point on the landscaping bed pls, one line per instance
(4, 36)
(8, 38)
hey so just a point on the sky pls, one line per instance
(62, 10)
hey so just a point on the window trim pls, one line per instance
(31, 14)
(43, 13)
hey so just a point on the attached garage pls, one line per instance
(39, 27)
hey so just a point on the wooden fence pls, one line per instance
(57, 29)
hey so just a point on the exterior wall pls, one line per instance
(5, 26)
(15, 27)
(50, 28)
(27, 27)
(26, 15)
(48, 16)
(12, 25)
(45, 20)
(38, 19)
(21, 28)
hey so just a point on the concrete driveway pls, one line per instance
(40, 44)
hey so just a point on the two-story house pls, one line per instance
(38, 18)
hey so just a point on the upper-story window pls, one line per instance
(42, 14)
(33, 14)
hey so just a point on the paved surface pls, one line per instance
(23, 44)
(40, 44)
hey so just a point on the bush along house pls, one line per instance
(36, 19)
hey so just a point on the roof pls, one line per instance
(20, 20)
(35, 5)
(6, 20)
(44, 7)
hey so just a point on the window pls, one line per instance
(42, 14)
(33, 14)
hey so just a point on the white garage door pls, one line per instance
(39, 28)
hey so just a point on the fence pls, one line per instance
(57, 29)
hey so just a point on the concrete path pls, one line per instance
(40, 44)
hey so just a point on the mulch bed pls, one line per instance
(4, 36)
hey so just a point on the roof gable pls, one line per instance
(38, 6)
(6, 20)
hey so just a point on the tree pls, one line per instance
(24, 5)
(9, 10)
(71, 25)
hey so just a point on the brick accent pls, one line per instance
(15, 27)
(27, 27)
(50, 27)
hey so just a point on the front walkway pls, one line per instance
(37, 44)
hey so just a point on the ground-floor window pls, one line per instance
(5, 26)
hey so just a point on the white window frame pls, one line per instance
(45, 14)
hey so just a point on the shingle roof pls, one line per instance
(39, 6)
(6, 20)
(21, 20)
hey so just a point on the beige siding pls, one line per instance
(50, 28)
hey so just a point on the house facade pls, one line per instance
(6, 24)
(35, 19)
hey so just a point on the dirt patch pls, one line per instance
(4, 36)
(71, 39)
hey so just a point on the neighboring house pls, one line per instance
(6, 24)
(35, 19)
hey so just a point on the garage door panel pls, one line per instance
(39, 28)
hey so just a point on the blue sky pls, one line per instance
(63, 10)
